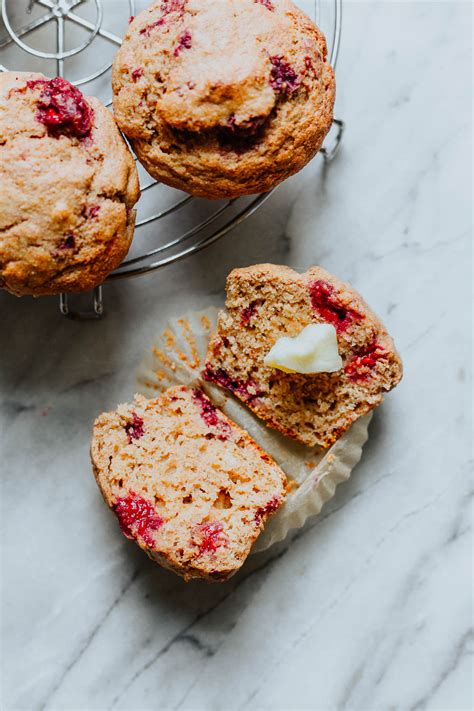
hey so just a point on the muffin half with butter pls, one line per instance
(303, 351)
(223, 99)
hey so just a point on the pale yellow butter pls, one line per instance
(313, 350)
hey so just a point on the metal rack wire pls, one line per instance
(204, 222)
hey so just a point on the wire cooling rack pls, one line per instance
(65, 37)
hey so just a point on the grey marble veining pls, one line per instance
(368, 607)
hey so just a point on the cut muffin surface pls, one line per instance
(186, 483)
(265, 302)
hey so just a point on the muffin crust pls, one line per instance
(68, 187)
(222, 99)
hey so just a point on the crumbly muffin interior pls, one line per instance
(192, 488)
(266, 302)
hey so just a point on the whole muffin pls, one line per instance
(68, 184)
(226, 98)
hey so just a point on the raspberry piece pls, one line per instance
(309, 66)
(269, 508)
(146, 30)
(325, 301)
(185, 41)
(137, 518)
(246, 129)
(168, 6)
(137, 73)
(134, 429)
(68, 243)
(267, 3)
(210, 537)
(248, 313)
(241, 137)
(361, 367)
(92, 211)
(131, 19)
(239, 387)
(210, 415)
(62, 108)
(283, 77)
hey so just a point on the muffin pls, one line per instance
(222, 99)
(186, 483)
(267, 302)
(68, 187)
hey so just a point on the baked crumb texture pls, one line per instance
(222, 99)
(187, 484)
(68, 186)
(265, 302)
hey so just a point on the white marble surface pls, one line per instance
(370, 606)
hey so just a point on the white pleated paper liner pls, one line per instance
(177, 357)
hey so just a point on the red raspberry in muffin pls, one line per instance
(69, 184)
(62, 107)
(185, 482)
(314, 408)
(232, 97)
(137, 518)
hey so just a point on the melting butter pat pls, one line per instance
(314, 350)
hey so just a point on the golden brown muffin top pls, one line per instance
(68, 186)
(226, 97)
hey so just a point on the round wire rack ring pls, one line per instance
(203, 222)
(57, 13)
(62, 13)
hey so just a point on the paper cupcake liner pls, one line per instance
(177, 358)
